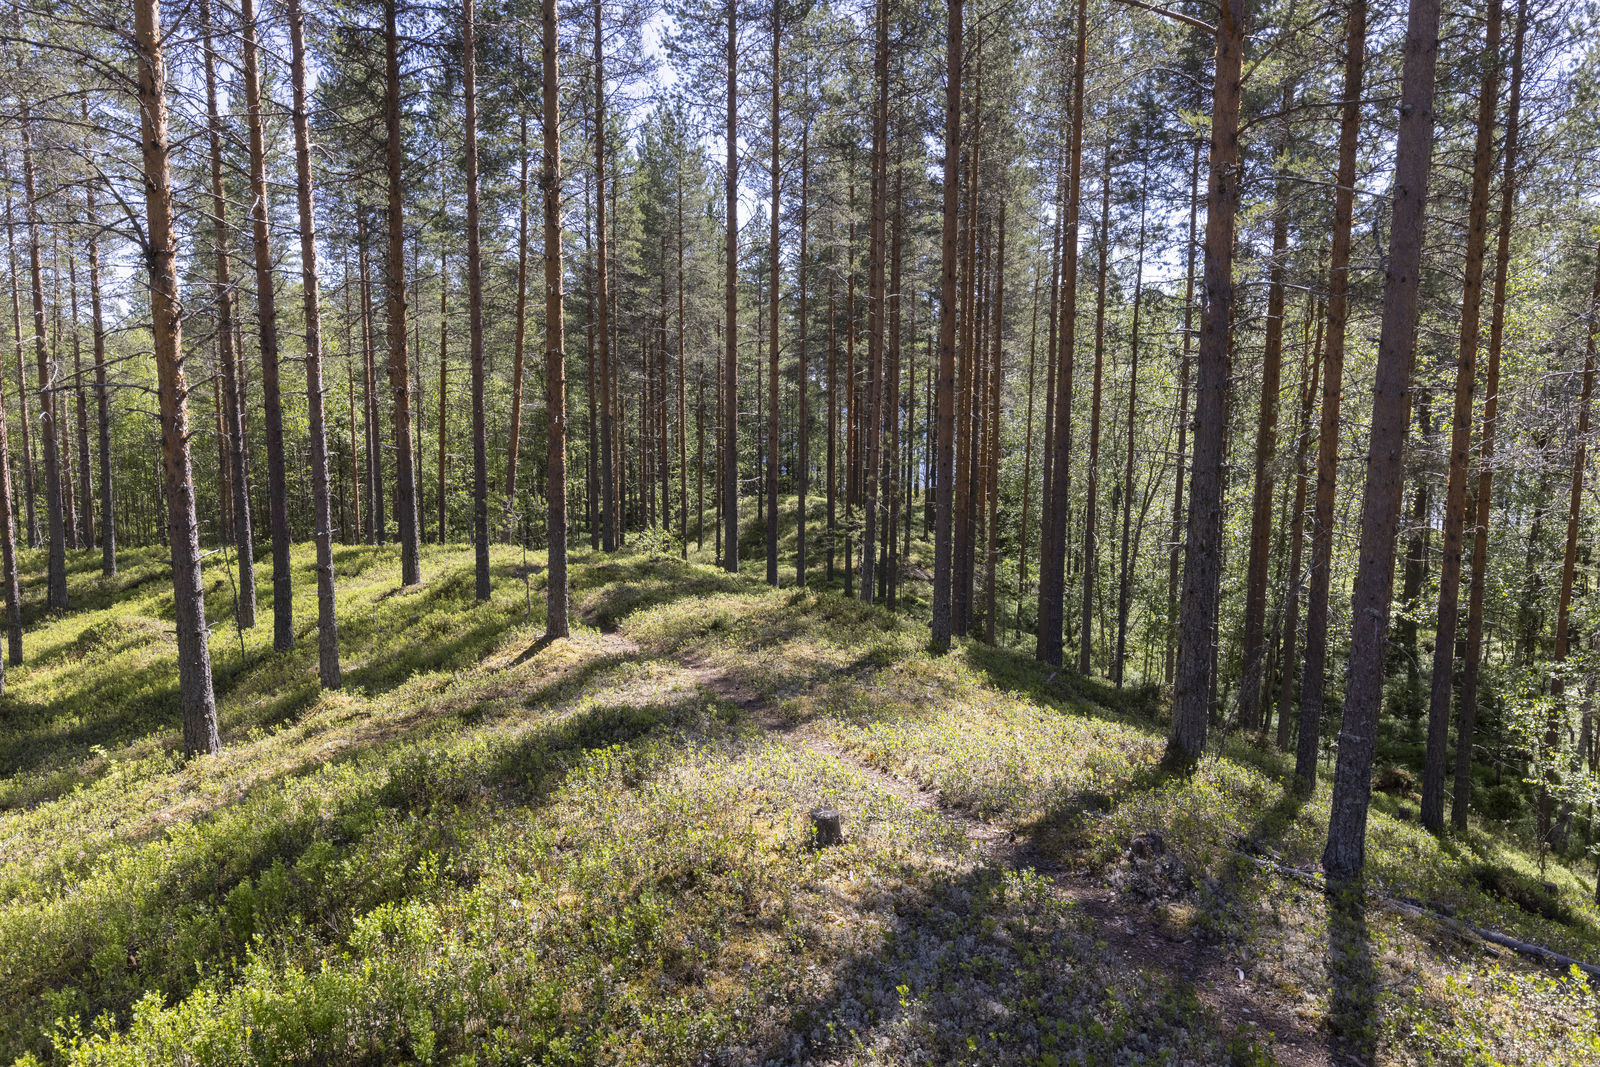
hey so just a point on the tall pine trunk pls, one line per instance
(801, 375)
(519, 339)
(196, 702)
(730, 336)
(480, 445)
(56, 590)
(1455, 502)
(1345, 854)
(1314, 678)
(233, 422)
(1053, 531)
(1491, 407)
(1291, 626)
(1175, 553)
(1091, 484)
(1255, 599)
(321, 505)
(32, 532)
(555, 359)
(1202, 570)
(876, 317)
(267, 325)
(405, 490)
(1125, 584)
(773, 459)
(609, 487)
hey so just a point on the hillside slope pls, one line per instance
(492, 849)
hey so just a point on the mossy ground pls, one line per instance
(491, 848)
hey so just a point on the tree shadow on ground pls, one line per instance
(1063, 688)
(1352, 977)
(985, 965)
(270, 868)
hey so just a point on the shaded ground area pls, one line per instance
(493, 848)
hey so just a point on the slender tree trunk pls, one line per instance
(444, 394)
(683, 429)
(1175, 553)
(322, 511)
(1027, 454)
(992, 450)
(773, 461)
(480, 444)
(1053, 534)
(267, 324)
(941, 623)
(1052, 353)
(57, 566)
(802, 378)
(555, 360)
(592, 504)
(195, 699)
(833, 420)
(1314, 675)
(968, 357)
(1255, 601)
(730, 376)
(609, 489)
(377, 522)
(1345, 853)
(1202, 570)
(876, 315)
(64, 435)
(8, 536)
(32, 531)
(1491, 404)
(85, 468)
(890, 575)
(1125, 585)
(1569, 559)
(405, 494)
(352, 533)
(1455, 505)
(520, 338)
(108, 525)
(1091, 511)
(1291, 628)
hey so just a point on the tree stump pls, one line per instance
(827, 826)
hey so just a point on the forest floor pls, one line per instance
(492, 848)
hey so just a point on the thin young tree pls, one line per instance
(196, 701)
(267, 331)
(730, 329)
(480, 444)
(32, 532)
(1314, 674)
(1455, 503)
(56, 588)
(519, 338)
(941, 624)
(222, 301)
(321, 505)
(774, 459)
(1255, 608)
(555, 359)
(609, 488)
(1053, 531)
(1345, 855)
(8, 546)
(405, 493)
(1491, 407)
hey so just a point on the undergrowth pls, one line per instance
(489, 848)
